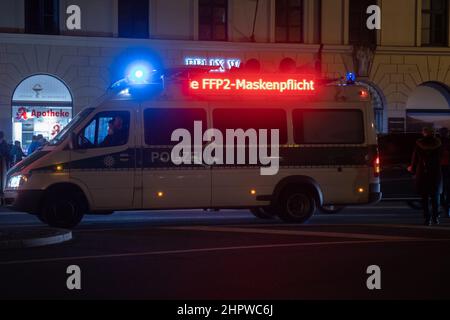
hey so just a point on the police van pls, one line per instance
(118, 154)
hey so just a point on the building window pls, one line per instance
(213, 20)
(289, 21)
(133, 18)
(317, 21)
(42, 16)
(359, 34)
(435, 23)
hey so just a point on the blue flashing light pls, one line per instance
(125, 92)
(350, 77)
(140, 73)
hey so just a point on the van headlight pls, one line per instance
(16, 181)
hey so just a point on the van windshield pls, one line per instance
(75, 121)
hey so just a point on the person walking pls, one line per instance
(445, 166)
(426, 165)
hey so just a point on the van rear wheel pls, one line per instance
(263, 213)
(63, 210)
(297, 206)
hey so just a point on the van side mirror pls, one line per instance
(73, 145)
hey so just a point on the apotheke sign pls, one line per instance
(25, 114)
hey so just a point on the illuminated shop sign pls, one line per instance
(251, 84)
(24, 114)
(224, 64)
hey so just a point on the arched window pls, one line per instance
(428, 105)
(41, 105)
(377, 104)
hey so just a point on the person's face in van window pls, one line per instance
(118, 123)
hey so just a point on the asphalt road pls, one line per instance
(232, 255)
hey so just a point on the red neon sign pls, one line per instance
(252, 84)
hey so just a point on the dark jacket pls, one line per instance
(16, 154)
(426, 164)
(5, 152)
(445, 161)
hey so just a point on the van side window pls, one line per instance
(251, 118)
(107, 129)
(160, 123)
(328, 126)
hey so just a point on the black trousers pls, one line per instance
(434, 197)
(445, 198)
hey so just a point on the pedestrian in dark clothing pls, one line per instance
(426, 165)
(16, 153)
(4, 161)
(445, 166)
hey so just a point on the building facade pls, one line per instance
(49, 73)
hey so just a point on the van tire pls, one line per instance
(63, 210)
(297, 206)
(263, 213)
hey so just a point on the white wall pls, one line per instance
(241, 16)
(172, 19)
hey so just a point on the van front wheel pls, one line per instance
(297, 206)
(63, 210)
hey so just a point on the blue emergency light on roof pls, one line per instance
(350, 77)
(140, 74)
(140, 78)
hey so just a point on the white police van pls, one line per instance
(117, 154)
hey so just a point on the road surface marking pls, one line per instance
(207, 250)
(293, 233)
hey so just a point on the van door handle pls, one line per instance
(124, 157)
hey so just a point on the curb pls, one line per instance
(36, 237)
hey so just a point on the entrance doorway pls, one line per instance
(41, 105)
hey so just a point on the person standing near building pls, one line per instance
(4, 161)
(16, 153)
(445, 165)
(37, 142)
(426, 165)
(33, 145)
